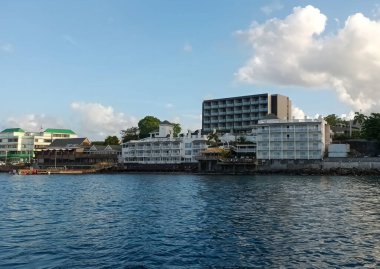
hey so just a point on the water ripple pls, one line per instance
(187, 221)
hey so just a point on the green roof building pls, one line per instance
(16, 144)
(59, 131)
(13, 130)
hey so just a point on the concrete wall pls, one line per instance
(328, 164)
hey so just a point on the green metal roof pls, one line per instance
(13, 130)
(59, 131)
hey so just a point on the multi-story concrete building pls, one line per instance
(17, 144)
(162, 148)
(295, 139)
(240, 114)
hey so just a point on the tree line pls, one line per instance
(144, 127)
(369, 125)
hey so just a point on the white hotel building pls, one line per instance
(291, 140)
(17, 144)
(163, 148)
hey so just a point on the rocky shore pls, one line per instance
(302, 172)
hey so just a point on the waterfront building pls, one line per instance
(291, 139)
(163, 148)
(19, 145)
(240, 114)
(77, 153)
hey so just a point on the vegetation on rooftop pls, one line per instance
(146, 126)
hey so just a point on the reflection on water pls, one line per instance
(189, 221)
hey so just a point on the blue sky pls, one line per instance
(96, 66)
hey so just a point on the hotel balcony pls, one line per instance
(299, 130)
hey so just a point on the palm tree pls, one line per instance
(360, 119)
(213, 139)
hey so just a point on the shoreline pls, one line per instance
(295, 172)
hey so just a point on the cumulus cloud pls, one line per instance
(349, 116)
(298, 113)
(34, 122)
(99, 121)
(293, 51)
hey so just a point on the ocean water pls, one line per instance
(189, 221)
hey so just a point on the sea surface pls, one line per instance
(189, 221)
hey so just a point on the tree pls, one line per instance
(371, 127)
(148, 125)
(177, 129)
(112, 140)
(241, 140)
(130, 134)
(213, 139)
(333, 120)
(360, 119)
(100, 143)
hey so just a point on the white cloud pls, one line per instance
(298, 113)
(187, 48)
(34, 122)
(349, 116)
(98, 121)
(169, 105)
(293, 51)
(268, 9)
(7, 48)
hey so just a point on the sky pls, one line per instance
(98, 67)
